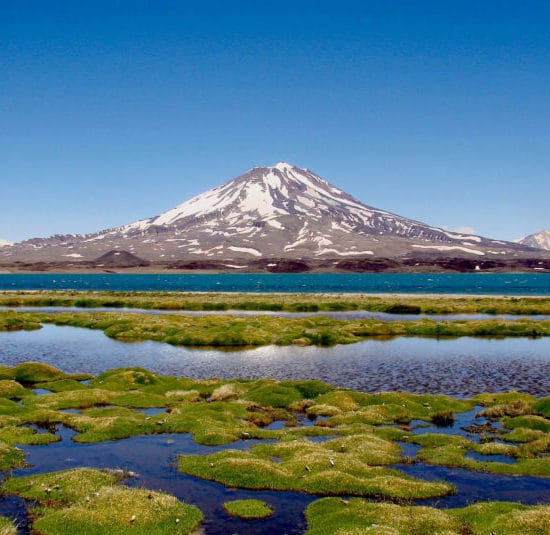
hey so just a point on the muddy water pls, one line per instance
(459, 367)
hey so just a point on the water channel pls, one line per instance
(460, 367)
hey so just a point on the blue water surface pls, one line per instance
(410, 283)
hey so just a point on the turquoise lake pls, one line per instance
(415, 283)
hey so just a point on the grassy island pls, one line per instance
(282, 302)
(235, 331)
(90, 502)
(249, 509)
(355, 516)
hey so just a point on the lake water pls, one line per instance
(471, 283)
(459, 367)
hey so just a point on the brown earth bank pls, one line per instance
(124, 262)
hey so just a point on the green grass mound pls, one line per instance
(505, 518)
(542, 407)
(11, 389)
(537, 423)
(10, 457)
(59, 488)
(211, 423)
(121, 510)
(62, 385)
(335, 467)
(349, 407)
(249, 509)
(11, 434)
(70, 399)
(15, 321)
(87, 501)
(273, 394)
(7, 527)
(357, 517)
(31, 373)
(451, 450)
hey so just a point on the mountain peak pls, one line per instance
(540, 240)
(279, 211)
(283, 166)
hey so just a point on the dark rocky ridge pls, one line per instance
(435, 264)
(120, 259)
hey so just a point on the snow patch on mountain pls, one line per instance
(5, 243)
(341, 253)
(246, 250)
(450, 248)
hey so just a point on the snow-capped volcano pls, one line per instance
(269, 212)
(540, 240)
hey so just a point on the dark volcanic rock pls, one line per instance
(197, 264)
(282, 265)
(367, 265)
(120, 259)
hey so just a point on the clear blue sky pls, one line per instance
(115, 111)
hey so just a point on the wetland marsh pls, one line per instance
(206, 437)
(301, 437)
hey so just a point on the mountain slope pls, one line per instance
(540, 240)
(277, 211)
(4, 243)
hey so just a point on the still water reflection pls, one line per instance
(459, 367)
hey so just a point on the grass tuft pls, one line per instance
(248, 509)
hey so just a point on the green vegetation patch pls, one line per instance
(270, 393)
(505, 518)
(121, 510)
(451, 450)
(542, 407)
(62, 385)
(7, 527)
(506, 404)
(10, 457)
(14, 321)
(60, 488)
(281, 302)
(210, 423)
(388, 407)
(32, 373)
(71, 399)
(86, 501)
(11, 389)
(11, 434)
(235, 331)
(357, 516)
(335, 467)
(538, 423)
(248, 509)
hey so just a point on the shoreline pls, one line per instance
(328, 295)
